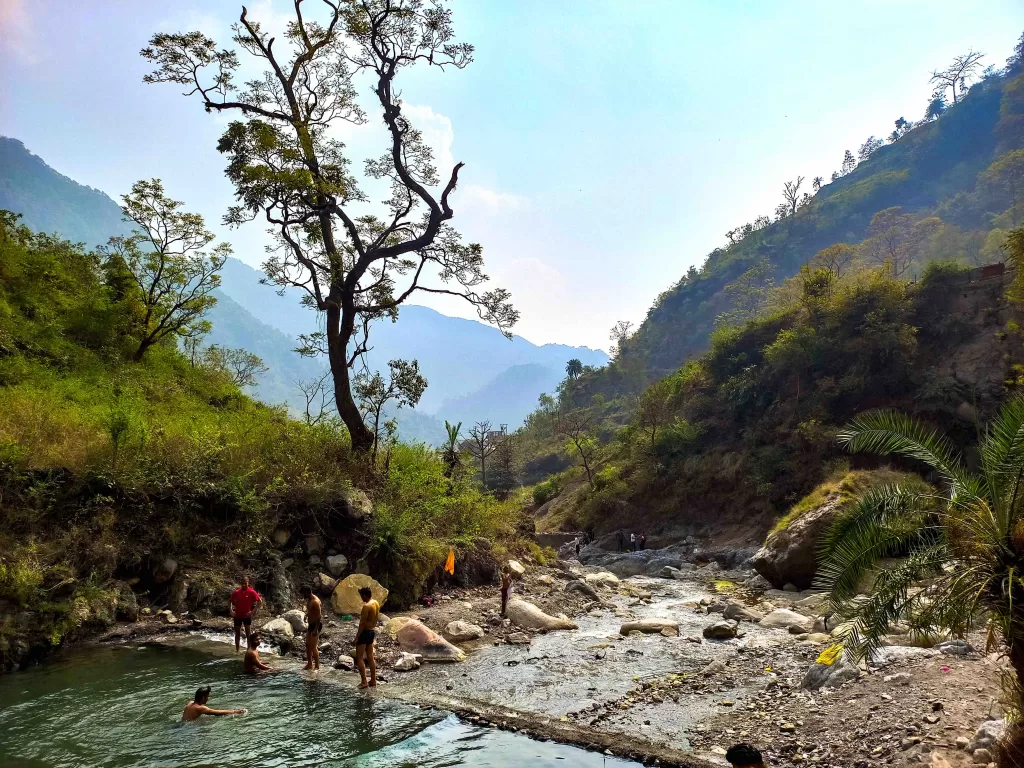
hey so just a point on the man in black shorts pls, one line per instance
(314, 625)
(241, 605)
(365, 635)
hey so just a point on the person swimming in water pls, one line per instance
(365, 635)
(314, 626)
(197, 707)
(251, 663)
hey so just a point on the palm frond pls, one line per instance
(1002, 456)
(866, 621)
(884, 522)
(885, 432)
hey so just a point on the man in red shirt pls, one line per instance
(243, 601)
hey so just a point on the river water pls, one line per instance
(121, 706)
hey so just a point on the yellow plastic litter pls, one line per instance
(829, 656)
(449, 564)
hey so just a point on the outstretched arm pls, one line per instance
(219, 712)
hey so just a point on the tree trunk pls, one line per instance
(337, 353)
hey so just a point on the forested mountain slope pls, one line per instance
(721, 412)
(931, 170)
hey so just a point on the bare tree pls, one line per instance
(404, 385)
(575, 427)
(894, 238)
(243, 367)
(317, 394)
(286, 167)
(954, 77)
(165, 257)
(791, 194)
(481, 445)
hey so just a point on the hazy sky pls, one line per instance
(608, 145)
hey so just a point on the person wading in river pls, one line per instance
(365, 636)
(314, 625)
(241, 605)
(197, 707)
(506, 587)
(744, 756)
(251, 663)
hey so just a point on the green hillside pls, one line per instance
(110, 465)
(721, 411)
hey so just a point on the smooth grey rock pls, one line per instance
(462, 632)
(280, 537)
(832, 675)
(165, 571)
(739, 612)
(648, 626)
(782, 618)
(279, 626)
(988, 733)
(721, 630)
(297, 619)
(337, 565)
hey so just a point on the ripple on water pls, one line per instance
(121, 707)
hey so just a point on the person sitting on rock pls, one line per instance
(365, 635)
(197, 707)
(744, 756)
(314, 626)
(251, 663)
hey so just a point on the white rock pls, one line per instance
(602, 579)
(337, 565)
(516, 569)
(279, 626)
(988, 734)
(739, 612)
(407, 662)
(545, 580)
(345, 662)
(781, 618)
(529, 616)
(648, 626)
(297, 619)
(462, 632)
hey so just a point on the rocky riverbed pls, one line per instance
(672, 669)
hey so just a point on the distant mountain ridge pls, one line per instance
(473, 371)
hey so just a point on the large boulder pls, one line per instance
(165, 570)
(988, 735)
(279, 627)
(297, 619)
(529, 616)
(346, 600)
(337, 565)
(790, 554)
(324, 584)
(782, 618)
(516, 569)
(738, 612)
(280, 537)
(831, 670)
(583, 588)
(648, 626)
(462, 631)
(720, 630)
(602, 579)
(357, 503)
(415, 637)
(656, 565)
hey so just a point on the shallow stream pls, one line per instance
(121, 706)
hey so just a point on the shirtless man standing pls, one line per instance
(314, 625)
(251, 663)
(197, 707)
(365, 636)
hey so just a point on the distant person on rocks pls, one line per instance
(252, 664)
(506, 588)
(241, 605)
(197, 707)
(643, 540)
(622, 541)
(578, 547)
(744, 756)
(632, 542)
(314, 626)
(365, 636)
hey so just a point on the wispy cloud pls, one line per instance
(18, 32)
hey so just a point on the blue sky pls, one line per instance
(608, 145)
